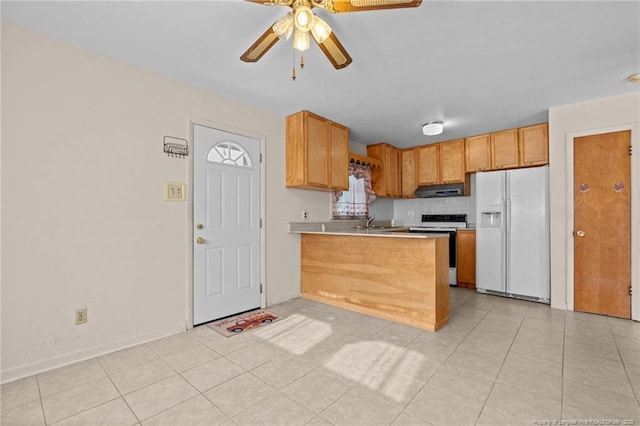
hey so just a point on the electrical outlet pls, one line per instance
(305, 214)
(81, 316)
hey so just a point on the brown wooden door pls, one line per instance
(602, 224)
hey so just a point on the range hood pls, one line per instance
(436, 191)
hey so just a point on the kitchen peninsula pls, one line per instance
(398, 276)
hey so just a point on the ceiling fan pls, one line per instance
(301, 21)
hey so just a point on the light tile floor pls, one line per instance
(497, 362)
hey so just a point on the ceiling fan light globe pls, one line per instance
(284, 26)
(320, 30)
(300, 40)
(303, 18)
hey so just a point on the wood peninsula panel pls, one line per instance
(399, 279)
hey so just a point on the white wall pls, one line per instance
(84, 223)
(598, 116)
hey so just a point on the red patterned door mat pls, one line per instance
(238, 324)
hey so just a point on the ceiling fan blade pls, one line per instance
(335, 52)
(260, 47)
(342, 6)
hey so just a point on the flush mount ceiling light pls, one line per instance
(433, 128)
(634, 78)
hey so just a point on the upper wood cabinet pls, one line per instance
(441, 163)
(452, 168)
(317, 152)
(523, 147)
(408, 172)
(386, 182)
(504, 149)
(427, 164)
(478, 153)
(534, 145)
(339, 161)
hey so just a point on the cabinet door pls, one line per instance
(386, 182)
(466, 266)
(378, 176)
(339, 160)
(534, 145)
(504, 149)
(317, 147)
(408, 172)
(392, 167)
(452, 161)
(478, 153)
(427, 165)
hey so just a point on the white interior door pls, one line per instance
(226, 218)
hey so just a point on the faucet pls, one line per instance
(370, 221)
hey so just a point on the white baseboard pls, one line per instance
(562, 306)
(37, 367)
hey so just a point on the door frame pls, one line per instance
(635, 212)
(190, 225)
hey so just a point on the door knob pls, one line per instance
(580, 233)
(200, 240)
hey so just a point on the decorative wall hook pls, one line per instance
(175, 147)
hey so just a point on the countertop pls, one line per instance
(373, 232)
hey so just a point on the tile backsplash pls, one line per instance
(409, 211)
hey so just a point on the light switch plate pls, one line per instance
(174, 191)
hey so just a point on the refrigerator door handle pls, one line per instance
(507, 216)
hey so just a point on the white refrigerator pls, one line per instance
(512, 233)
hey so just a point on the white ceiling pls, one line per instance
(479, 66)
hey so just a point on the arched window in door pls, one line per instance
(229, 153)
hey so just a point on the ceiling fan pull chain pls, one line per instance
(293, 68)
(301, 60)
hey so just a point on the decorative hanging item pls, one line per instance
(584, 187)
(175, 147)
